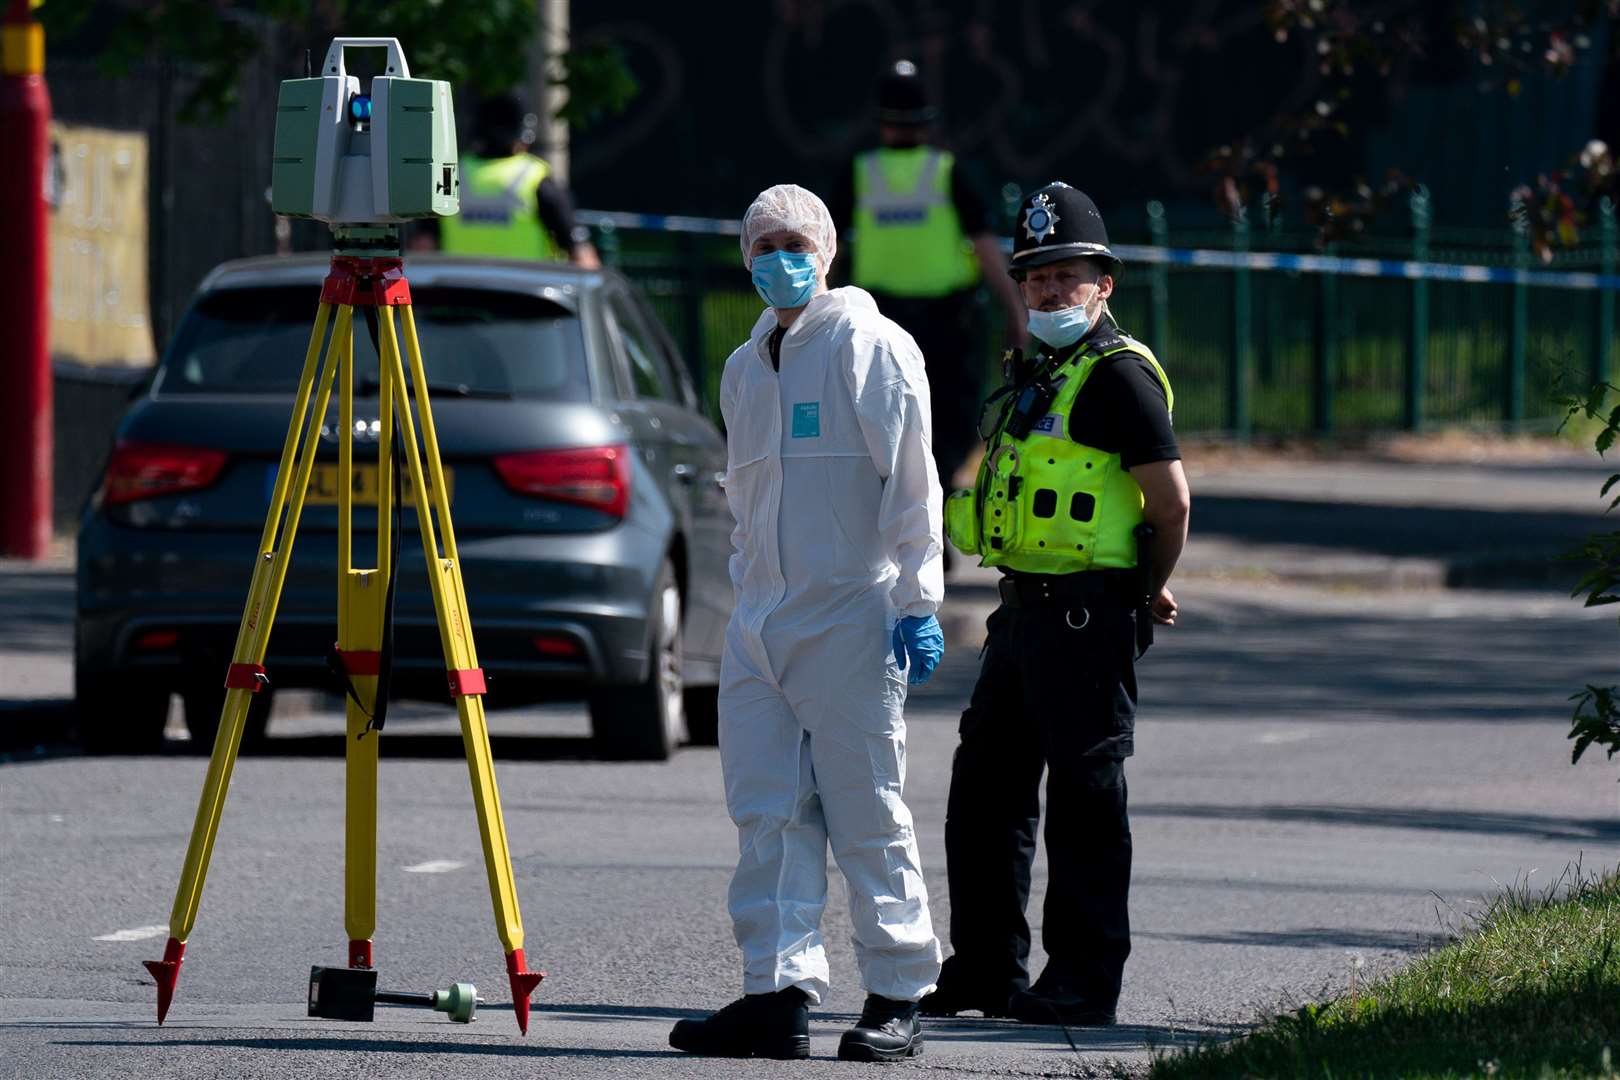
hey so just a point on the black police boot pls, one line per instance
(960, 990)
(1057, 1000)
(959, 997)
(887, 1031)
(775, 1025)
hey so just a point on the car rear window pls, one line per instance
(252, 341)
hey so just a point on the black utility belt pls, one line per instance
(1061, 590)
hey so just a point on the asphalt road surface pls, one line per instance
(1326, 781)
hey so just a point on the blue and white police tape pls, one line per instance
(613, 219)
(1376, 268)
(1209, 258)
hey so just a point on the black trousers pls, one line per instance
(1050, 697)
(950, 332)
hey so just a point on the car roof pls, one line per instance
(556, 281)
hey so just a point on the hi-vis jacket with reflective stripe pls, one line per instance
(499, 215)
(908, 238)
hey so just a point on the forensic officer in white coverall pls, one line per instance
(837, 571)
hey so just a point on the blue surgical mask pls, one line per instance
(1059, 329)
(785, 279)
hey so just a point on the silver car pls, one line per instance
(585, 490)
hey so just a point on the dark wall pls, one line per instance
(1121, 99)
(207, 188)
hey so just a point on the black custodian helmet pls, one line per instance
(902, 98)
(1058, 222)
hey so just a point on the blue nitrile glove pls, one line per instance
(921, 638)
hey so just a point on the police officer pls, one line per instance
(1081, 502)
(922, 243)
(511, 202)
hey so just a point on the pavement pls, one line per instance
(1334, 766)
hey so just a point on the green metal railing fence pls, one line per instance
(1260, 333)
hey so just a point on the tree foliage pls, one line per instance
(1597, 708)
(1361, 48)
(476, 44)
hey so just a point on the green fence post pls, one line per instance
(1269, 330)
(1238, 372)
(607, 243)
(1605, 297)
(1417, 350)
(1159, 278)
(692, 274)
(1513, 406)
(1327, 351)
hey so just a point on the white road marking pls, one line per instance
(139, 933)
(435, 866)
(1273, 738)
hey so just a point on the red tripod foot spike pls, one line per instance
(167, 972)
(523, 983)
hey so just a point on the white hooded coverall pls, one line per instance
(837, 505)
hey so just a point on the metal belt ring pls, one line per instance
(1068, 617)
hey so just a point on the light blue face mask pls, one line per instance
(785, 279)
(1059, 329)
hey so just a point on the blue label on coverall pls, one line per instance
(807, 420)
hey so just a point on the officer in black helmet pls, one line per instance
(921, 239)
(512, 202)
(1081, 502)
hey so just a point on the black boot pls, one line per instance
(958, 997)
(962, 990)
(1057, 1000)
(887, 1031)
(775, 1025)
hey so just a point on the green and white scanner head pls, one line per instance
(351, 158)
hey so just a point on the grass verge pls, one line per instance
(1532, 989)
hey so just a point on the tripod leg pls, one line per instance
(246, 673)
(360, 617)
(455, 634)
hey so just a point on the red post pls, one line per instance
(25, 362)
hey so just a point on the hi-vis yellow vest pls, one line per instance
(1045, 504)
(498, 211)
(908, 239)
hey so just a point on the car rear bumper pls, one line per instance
(545, 609)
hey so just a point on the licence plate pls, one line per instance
(324, 485)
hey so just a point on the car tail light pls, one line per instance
(558, 647)
(593, 476)
(144, 470)
(158, 639)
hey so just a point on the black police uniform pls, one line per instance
(1056, 693)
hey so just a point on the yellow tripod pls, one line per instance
(363, 280)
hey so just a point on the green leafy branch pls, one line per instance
(1597, 708)
(475, 45)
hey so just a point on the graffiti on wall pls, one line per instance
(98, 247)
(1030, 88)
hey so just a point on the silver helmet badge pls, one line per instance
(1040, 218)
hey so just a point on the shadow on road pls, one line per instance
(33, 731)
(1315, 937)
(36, 611)
(501, 1048)
(1484, 548)
(1121, 1037)
(1540, 826)
(504, 747)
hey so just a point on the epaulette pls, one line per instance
(1107, 338)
